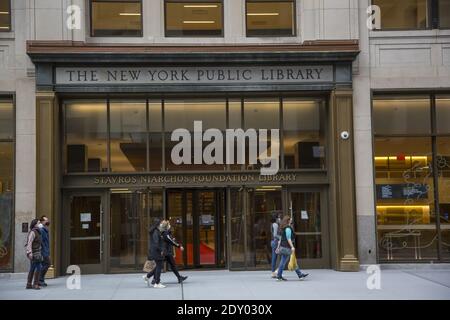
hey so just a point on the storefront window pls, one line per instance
(444, 14)
(5, 15)
(128, 136)
(406, 215)
(443, 114)
(270, 18)
(404, 14)
(402, 114)
(303, 134)
(155, 135)
(194, 18)
(235, 122)
(116, 18)
(86, 136)
(181, 114)
(6, 184)
(443, 164)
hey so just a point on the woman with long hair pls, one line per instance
(156, 254)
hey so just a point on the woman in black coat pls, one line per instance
(168, 243)
(156, 254)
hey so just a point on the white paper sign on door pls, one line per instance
(304, 215)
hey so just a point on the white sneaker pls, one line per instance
(159, 286)
(274, 275)
(145, 279)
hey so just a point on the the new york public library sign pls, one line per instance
(194, 75)
(194, 179)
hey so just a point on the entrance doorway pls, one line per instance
(251, 212)
(198, 221)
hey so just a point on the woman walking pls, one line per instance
(286, 248)
(169, 243)
(156, 254)
(33, 251)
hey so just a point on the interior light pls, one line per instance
(200, 6)
(264, 14)
(200, 21)
(4, 12)
(129, 14)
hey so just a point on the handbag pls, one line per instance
(283, 251)
(292, 262)
(37, 257)
(149, 266)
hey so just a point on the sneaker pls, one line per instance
(159, 286)
(153, 281)
(42, 284)
(281, 279)
(182, 278)
(274, 275)
(303, 275)
(145, 279)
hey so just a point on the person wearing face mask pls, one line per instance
(45, 249)
(33, 252)
(169, 243)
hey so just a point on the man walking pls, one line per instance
(44, 228)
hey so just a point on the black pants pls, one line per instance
(45, 265)
(156, 273)
(171, 262)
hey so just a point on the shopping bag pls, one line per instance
(292, 262)
(149, 265)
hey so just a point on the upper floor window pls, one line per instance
(5, 15)
(194, 18)
(414, 14)
(116, 18)
(444, 14)
(270, 18)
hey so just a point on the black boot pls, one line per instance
(181, 279)
(29, 280)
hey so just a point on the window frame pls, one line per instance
(294, 34)
(222, 33)
(91, 30)
(9, 19)
(438, 16)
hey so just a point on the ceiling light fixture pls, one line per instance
(201, 6)
(200, 21)
(264, 14)
(129, 14)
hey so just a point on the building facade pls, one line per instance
(92, 92)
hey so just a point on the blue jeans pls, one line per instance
(35, 266)
(274, 245)
(284, 260)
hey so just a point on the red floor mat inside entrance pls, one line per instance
(207, 255)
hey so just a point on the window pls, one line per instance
(404, 14)
(6, 184)
(270, 18)
(444, 14)
(116, 18)
(412, 202)
(5, 15)
(194, 18)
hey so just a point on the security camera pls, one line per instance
(345, 135)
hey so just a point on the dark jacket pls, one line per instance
(284, 240)
(169, 243)
(156, 245)
(45, 248)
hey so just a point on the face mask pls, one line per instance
(40, 225)
(47, 223)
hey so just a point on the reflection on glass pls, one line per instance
(443, 164)
(86, 136)
(6, 120)
(400, 115)
(403, 14)
(85, 230)
(237, 227)
(207, 227)
(443, 114)
(128, 138)
(155, 135)
(444, 13)
(260, 114)
(5, 15)
(6, 204)
(270, 18)
(307, 224)
(116, 18)
(175, 215)
(235, 122)
(303, 136)
(264, 203)
(181, 114)
(197, 18)
(406, 215)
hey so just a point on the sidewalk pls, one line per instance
(254, 285)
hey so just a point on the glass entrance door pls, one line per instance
(198, 219)
(132, 213)
(86, 233)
